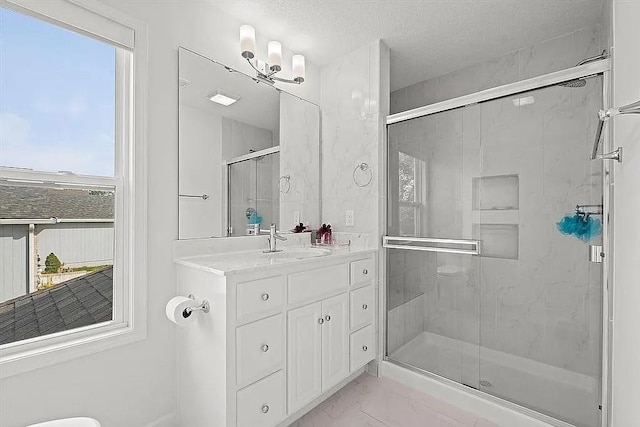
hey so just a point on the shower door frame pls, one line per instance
(600, 67)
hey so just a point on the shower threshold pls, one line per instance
(554, 393)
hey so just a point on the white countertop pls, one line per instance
(247, 261)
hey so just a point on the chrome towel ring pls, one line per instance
(287, 184)
(368, 176)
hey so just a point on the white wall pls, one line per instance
(201, 166)
(136, 384)
(626, 312)
(354, 105)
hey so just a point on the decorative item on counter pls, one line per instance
(300, 228)
(323, 235)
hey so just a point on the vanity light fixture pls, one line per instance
(267, 70)
(222, 98)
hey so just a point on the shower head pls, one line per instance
(574, 83)
(582, 81)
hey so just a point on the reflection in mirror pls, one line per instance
(253, 193)
(249, 153)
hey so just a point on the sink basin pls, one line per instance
(297, 253)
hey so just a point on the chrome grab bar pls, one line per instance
(416, 244)
(603, 116)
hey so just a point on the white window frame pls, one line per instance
(129, 323)
(419, 194)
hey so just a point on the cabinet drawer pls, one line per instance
(313, 284)
(261, 296)
(361, 347)
(259, 349)
(261, 404)
(361, 307)
(361, 271)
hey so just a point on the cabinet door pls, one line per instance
(304, 356)
(335, 340)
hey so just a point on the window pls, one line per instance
(72, 208)
(411, 176)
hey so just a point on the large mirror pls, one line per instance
(249, 153)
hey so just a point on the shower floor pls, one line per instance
(568, 396)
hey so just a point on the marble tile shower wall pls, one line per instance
(546, 304)
(552, 55)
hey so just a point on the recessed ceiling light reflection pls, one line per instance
(521, 102)
(223, 98)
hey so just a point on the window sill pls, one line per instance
(38, 353)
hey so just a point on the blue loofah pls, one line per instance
(584, 228)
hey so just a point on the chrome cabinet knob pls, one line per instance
(327, 318)
(365, 306)
(365, 271)
(321, 320)
(365, 348)
(265, 409)
(264, 348)
(265, 297)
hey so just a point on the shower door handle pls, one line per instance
(433, 244)
(595, 253)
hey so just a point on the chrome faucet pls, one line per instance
(273, 236)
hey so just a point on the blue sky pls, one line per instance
(57, 107)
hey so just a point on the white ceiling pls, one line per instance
(428, 38)
(258, 104)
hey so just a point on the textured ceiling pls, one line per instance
(428, 38)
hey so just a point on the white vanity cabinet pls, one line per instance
(318, 349)
(276, 339)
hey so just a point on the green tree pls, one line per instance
(52, 264)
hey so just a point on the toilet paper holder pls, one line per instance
(205, 307)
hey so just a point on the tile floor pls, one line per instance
(381, 402)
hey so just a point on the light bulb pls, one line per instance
(298, 68)
(275, 56)
(247, 41)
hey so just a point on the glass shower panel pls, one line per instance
(253, 194)
(433, 304)
(540, 320)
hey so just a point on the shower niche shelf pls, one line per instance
(498, 240)
(498, 192)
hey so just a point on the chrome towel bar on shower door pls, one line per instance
(432, 244)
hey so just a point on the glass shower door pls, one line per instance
(541, 314)
(432, 291)
(494, 214)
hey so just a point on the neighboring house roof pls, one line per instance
(18, 202)
(72, 304)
